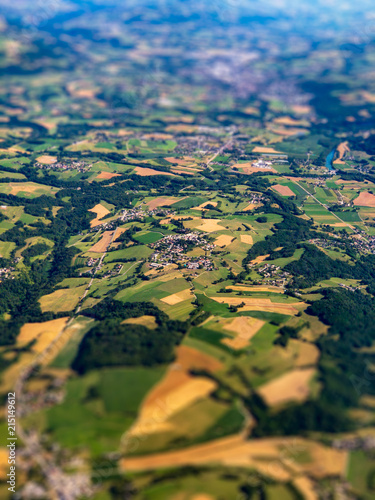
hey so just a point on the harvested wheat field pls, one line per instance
(275, 457)
(176, 298)
(185, 161)
(203, 205)
(260, 259)
(302, 109)
(260, 304)
(248, 168)
(162, 201)
(146, 320)
(261, 149)
(223, 240)
(283, 190)
(247, 238)
(177, 390)
(102, 245)
(100, 212)
(256, 288)
(342, 148)
(210, 226)
(46, 159)
(306, 487)
(251, 206)
(12, 373)
(144, 172)
(119, 231)
(365, 199)
(42, 333)
(293, 386)
(107, 175)
(244, 328)
(180, 127)
(308, 354)
(290, 122)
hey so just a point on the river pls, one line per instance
(330, 158)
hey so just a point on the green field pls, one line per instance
(139, 252)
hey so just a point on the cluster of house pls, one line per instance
(355, 443)
(350, 287)
(326, 243)
(172, 250)
(272, 275)
(80, 166)
(6, 273)
(201, 263)
(114, 271)
(91, 262)
(365, 244)
(256, 198)
(132, 214)
(138, 213)
(362, 243)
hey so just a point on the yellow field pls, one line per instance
(102, 245)
(260, 304)
(248, 168)
(107, 175)
(283, 190)
(261, 149)
(186, 161)
(176, 391)
(365, 199)
(62, 300)
(202, 496)
(162, 201)
(251, 206)
(244, 328)
(46, 159)
(247, 238)
(274, 457)
(210, 225)
(42, 333)
(290, 122)
(144, 171)
(306, 487)
(342, 149)
(223, 240)
(293, 386)
(100, 212)
(308, 354)
(176, 298)
(203, 205)
(260, 259)
(147, 321)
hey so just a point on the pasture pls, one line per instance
(27, 189)
(60, 300)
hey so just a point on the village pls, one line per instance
(172, 250)
(272, 275)
(80, 166)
